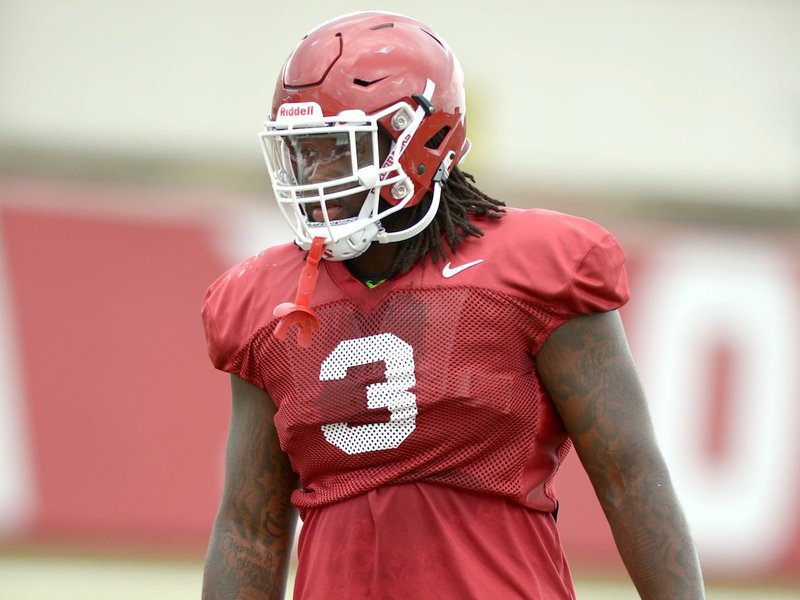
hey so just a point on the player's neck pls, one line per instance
(374, 264)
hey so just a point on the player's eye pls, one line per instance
(309, 153)
(338, 152)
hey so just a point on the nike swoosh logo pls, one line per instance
(449, 271)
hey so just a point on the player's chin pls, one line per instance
(402, 218)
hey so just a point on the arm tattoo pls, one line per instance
(249, 551)
(587, 369)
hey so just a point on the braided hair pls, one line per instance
(460, 198)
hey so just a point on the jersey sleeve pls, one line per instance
(600, 281)
(220, 349)
(237, 310)
(233, 311)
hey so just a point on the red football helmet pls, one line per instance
(349, 82)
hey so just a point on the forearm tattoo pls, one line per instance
(590, 375)
(251, 543)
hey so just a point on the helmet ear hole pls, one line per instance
(437, 138)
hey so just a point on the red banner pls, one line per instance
(114, 421)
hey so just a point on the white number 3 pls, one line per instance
(393, 394)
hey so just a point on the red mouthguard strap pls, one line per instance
(299, 311)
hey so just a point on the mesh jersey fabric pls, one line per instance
(428, 379)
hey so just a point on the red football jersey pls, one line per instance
(418, 405)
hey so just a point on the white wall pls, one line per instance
(688, 97)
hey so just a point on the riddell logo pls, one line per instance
(301, 110)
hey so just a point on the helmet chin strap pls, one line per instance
(442, 173)
(356, 243)
(387, 237)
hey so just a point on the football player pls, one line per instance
(412, 370)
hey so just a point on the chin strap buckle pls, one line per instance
(443, 172)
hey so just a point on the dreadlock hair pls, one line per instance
(460, 198)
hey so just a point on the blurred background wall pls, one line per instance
(130, 176)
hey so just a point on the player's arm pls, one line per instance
(249, 551)
(587, 369)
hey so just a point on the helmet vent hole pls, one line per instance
(383, 26)
(366, 83)
(438, 41)
(437, 138)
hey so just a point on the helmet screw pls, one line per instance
(399, 190)
(400, 120)
(421, 169)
